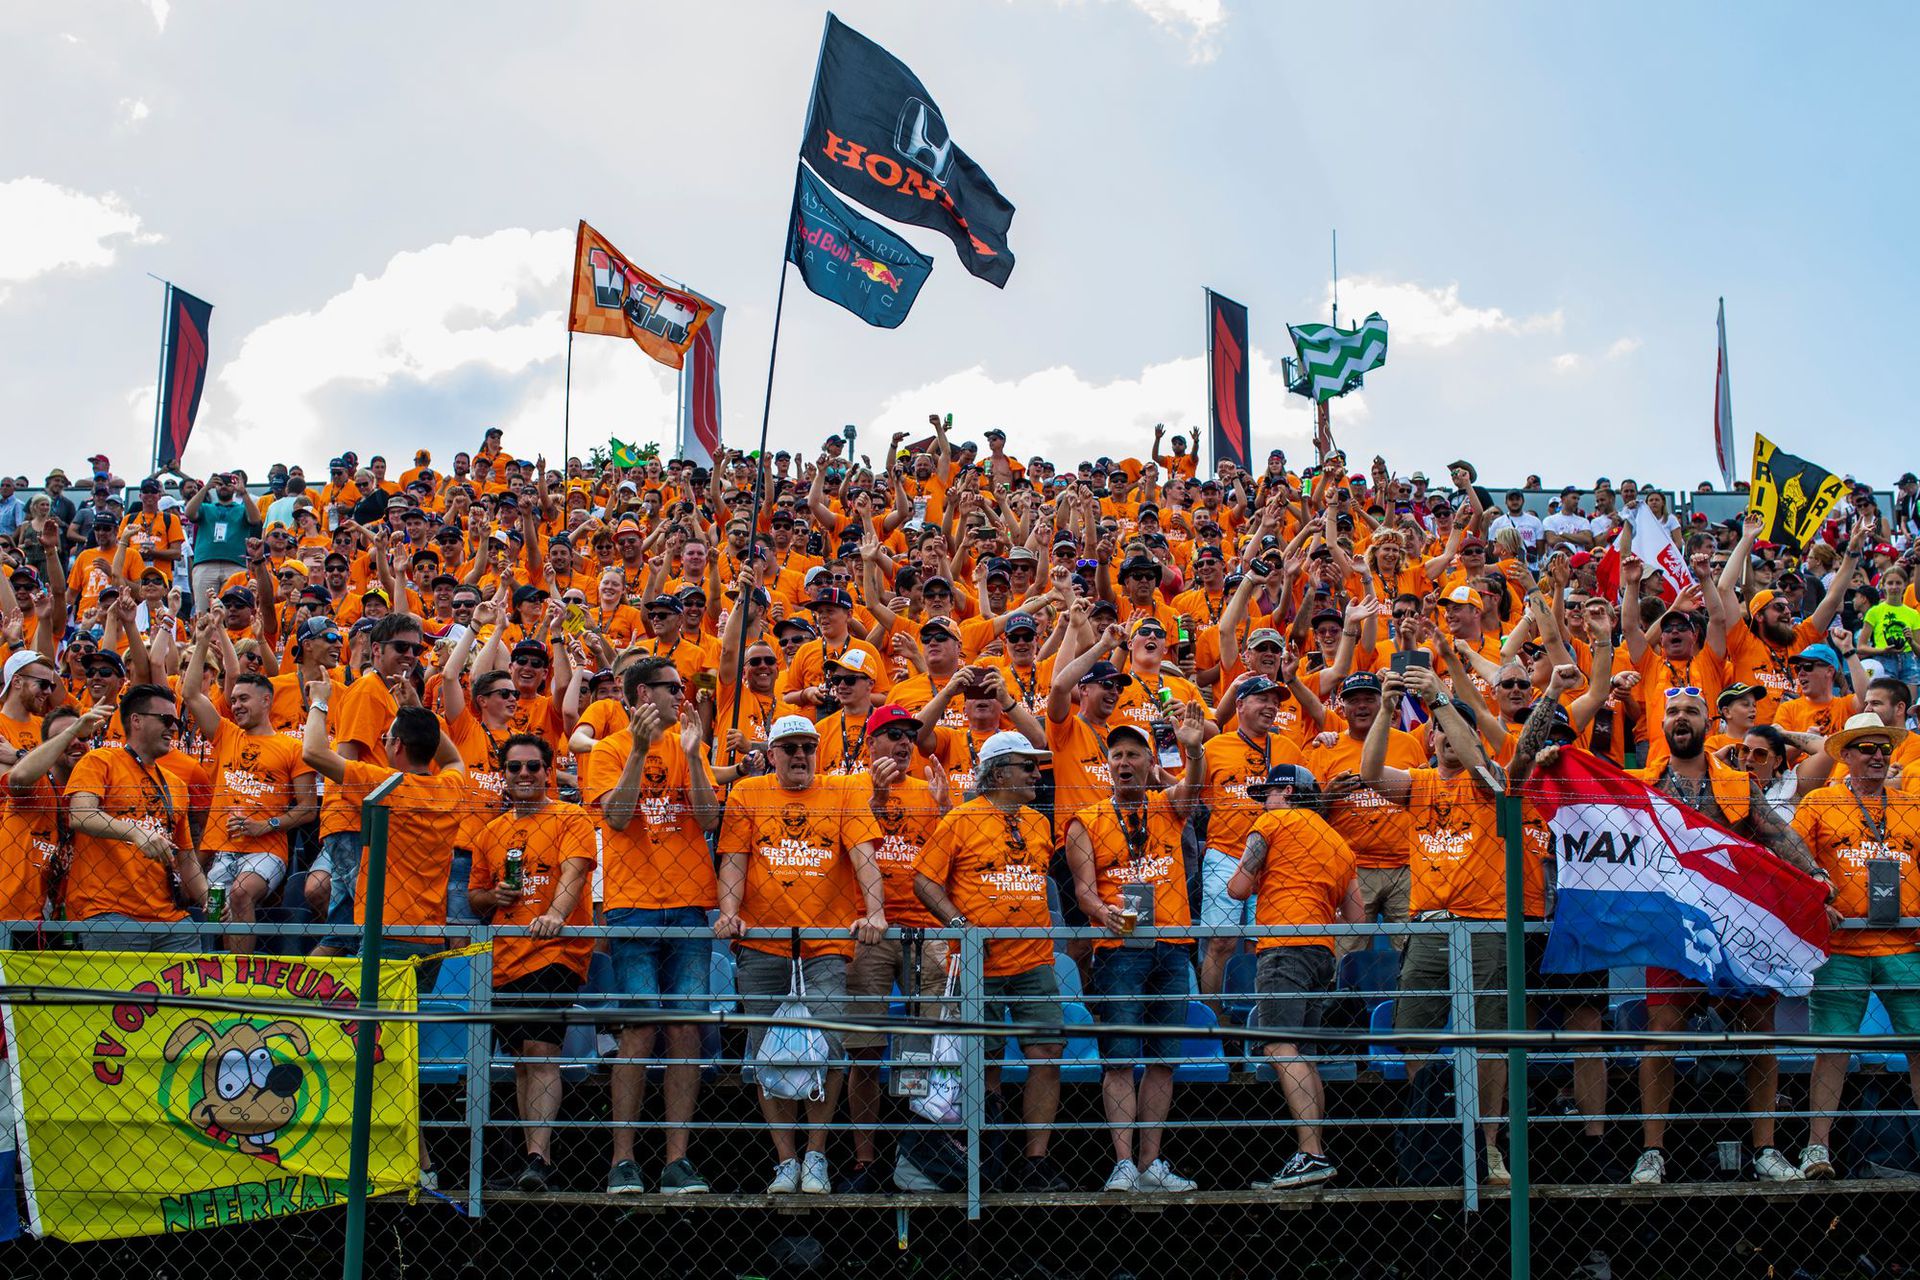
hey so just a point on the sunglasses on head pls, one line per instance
(1685, 690)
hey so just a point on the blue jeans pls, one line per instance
(1140, 986)
(665, 972)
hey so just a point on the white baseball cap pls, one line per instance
(801, 727)
(16, 664)
(1008, 744)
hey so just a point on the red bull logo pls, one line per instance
(878, 272)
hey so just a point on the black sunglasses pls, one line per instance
(763, 662)
(407, 648)
(523, 766)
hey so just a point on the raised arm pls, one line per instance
(1394, 785)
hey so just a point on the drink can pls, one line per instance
(515, 875)
(216, 902)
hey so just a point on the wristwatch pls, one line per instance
(958, 922)
(273, 824)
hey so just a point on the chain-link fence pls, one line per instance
(1015, 1091)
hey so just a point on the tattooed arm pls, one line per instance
(1764, 827)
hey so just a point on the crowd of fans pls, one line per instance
(941, 689)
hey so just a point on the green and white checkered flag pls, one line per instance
(1332, 360)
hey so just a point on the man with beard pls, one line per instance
(1760, 652)
(1128, 869)
(1377, 831)
(1231, 762)
(1690, 648)
(30, 816)
(29, 688)
(940, 646)
(985, 866)
(1866, 837)
(1694, 778)
(796, 852)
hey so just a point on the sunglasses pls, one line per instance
(172, 722)
(524, 766)
(838, 681)
(763, 662)
(1683, 689)
(1871, 748)
(797, 748)
(507, 692)
(676, 686)
(407, 648)
(1515, 684)
(528, 660)
(896, 735)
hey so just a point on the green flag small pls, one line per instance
(621, 455)
(1333, 360)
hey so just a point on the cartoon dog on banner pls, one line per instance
(247, 1097)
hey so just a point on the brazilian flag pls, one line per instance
(626, 455)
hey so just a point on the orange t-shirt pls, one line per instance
(661, 859)
(993, 865)
(425, 820)
(1080, 773)
(1458, 860)
(903, 824)
(1308, 869)
(252, 775)
(29, 841)
(1144, 848)
(1831, 823)
(1804, 715)
(1232, 761)
(363, 715)
(799, 866)
(111, 875)
(558, 834)
(1377, 830)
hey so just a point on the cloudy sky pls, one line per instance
(1545, 203)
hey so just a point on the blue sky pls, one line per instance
(1544, 202)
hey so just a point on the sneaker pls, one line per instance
(1302, 1169)
(1771, 1166)
(625, 1180)
(1125, 1177)
(814, 1180)
(1650, 1169)
(786, 1179)
(681, 1179)
(1159, 1176)
(1040, 1173)
(1495, 1174)
(537, 1175)
(1816, 1161)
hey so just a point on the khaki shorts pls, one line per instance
(1384, 895)
(874, 972)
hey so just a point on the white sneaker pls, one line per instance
(786, 1179)
(1125, 1177)
(1771, 1166)
(1159, 1176)
(1496, 1170)
(1649, 1170)
(1816, 1161)
(814, 1180)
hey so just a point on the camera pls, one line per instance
(1259, 567)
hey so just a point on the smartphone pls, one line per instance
(1404, 658)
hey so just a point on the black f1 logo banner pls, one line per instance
(1228, 406)
(874, 133)
(183, 372)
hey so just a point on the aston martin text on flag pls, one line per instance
(615, 298)
(876, 134)
(852, 260)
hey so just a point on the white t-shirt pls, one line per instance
(1564, 523)
(1526, 524)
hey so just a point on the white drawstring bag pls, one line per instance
(792, 1060)
(941, 1102)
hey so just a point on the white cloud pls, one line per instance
(1423, 317)
(133, 110)
(473, 305)
(1573, 362)
(1198, 22)
(1058, 413)
(44, 227)
(1623, 347)
(159, 9)
(1569, 362)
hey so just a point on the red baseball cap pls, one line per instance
(890, 714)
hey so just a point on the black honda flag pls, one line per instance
(183, 373)
(875, 133)
(1227, 399)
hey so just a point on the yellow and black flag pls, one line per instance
(1793, 495)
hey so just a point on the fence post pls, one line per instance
(973, 1063)
(1513, 831)
(373, 827)
(479, 1072)
(1466, 1061)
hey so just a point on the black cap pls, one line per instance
(150, 485)
(1104, 672)
(1562, 724)
(832, 597)
(526, 592)
(1140, 564)
(106, 657)
(1305, 786)
(1360, 682)
(314, 629)
(237, 595)
(669, 603)
(1254, 686)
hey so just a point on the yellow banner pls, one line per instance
(141, 1118)
(1793, 496)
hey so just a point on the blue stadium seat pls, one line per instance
(1079, 1060)
(1368, 971)
(1382, 1056)
(1210, 1055)
(443, 1045)
(1067, 974)
(721, 994)
(1237, 988)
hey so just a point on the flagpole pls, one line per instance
(566, 407)
(159, 376)
(1213, 446)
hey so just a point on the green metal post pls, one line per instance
(373, 826)
(1512, 830)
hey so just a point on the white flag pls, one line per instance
(1654, 545)
(1723, 407)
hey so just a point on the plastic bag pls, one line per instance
(792, 1060)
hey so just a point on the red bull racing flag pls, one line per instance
(852, 260)
(875, 134)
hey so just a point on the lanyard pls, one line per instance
(1028, 692)
(1134, 827)
(850, 751)
(159, 784)
(1265, 748)
(1877, 829)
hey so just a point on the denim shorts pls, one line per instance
(340, 859)
(672, 972)
(1140, 986)
(1216, 907)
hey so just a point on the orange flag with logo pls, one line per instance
(616, 299)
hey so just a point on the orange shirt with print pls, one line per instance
(547, 840)
(1232, 760)
(1704, 671)
(799, 866)
(661, 859)
(993, 865)
(252, 775)
(424, 820)
(1080, 773)
(1457, 858)
(1304, 880)
(1139, 847)
(111, 876)
(1377, 830)
(362, 716)
(1845, 845)
(902, 826)
(29, 842)
(1804, 715)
